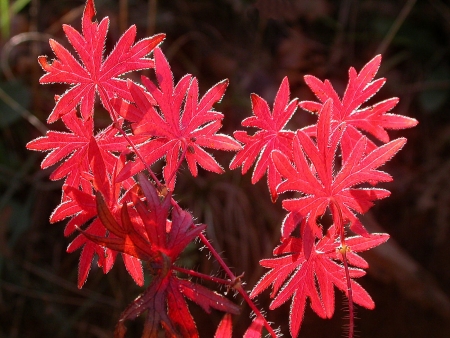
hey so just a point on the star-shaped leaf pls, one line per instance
(374, 119)
(73, 148)
(94, 75)
(177, 123)
(160, 243)
(312, 174)
(292, 275)
(271, 136)
(80, 205)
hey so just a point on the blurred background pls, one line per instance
(254, 43)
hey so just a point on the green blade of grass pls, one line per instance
(4, 18)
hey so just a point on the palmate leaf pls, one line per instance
(94, 75)
(271, 136)
(73, 148)
(176, 122)
(89, 250)
(80, 205)
(294, 275)
(153, 238)
(78, 202)
(374, 119)
(312, 173)
(90, 161)
(165, 304)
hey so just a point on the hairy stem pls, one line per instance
(203, 276)
(234, 282)
(349, 293)
(339, 223)
(237, 284)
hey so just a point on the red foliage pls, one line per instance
(374, 119)
(270, 137)
(176, 124)
(322, 266)
(322, 187)
(151, 237)
(94, 75)
(331, 164)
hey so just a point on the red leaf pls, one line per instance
(361, 87)
(82, 207)
(153, 300)
(178, 126)
(147, 241)
(165, 305)
(255, 329)
(159, 242)
(94, 75)
(293, 275)
(178, 311)
(206, 298)
(225, 328)
(321, 187)
(127, 238)
(270, 137)
(89, 249)
(73, 148)
(134, 268)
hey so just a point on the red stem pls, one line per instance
(339, 223)
(202, 275)
(234, 281)
(236, 284)
(350, 295)
(112, 111)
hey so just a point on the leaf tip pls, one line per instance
(89, 10)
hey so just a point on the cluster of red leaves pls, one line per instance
(154, 113)
(177, 125)
(307, 161)
(108, 210)
(329, 163)
(146, 233)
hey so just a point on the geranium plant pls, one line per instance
(116, 204)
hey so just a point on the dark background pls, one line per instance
(254, 44)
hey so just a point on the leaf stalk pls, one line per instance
(338, 220)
